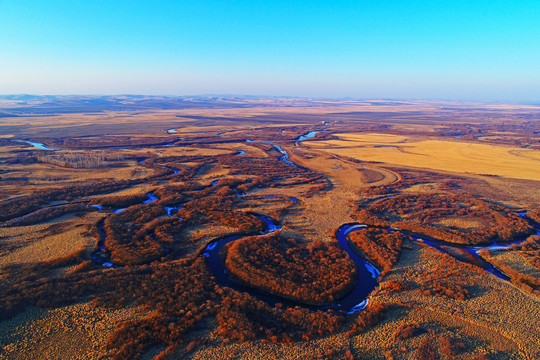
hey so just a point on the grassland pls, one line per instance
(57, 302)
(456, 156)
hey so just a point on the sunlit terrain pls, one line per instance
(249, 228)
(460, 156)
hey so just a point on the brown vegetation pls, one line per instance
(528, 283)
(180, 292)
(426, 351)
(25, 204)
(393, 286)
(368, 318)
(314, 273)
(450, 348)
(534, 215)
(406, 331)
(448, 279)
(242, 318)
(107, 141)
(380, 246)
(49, 213)
(123, 201)
(273, 172)
(426, 214)
(92, 160)
(530, 250)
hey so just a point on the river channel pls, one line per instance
(355, 300)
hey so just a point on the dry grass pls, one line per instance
(462, 223)
(454, 156)
(71, 332)
(514, 260)
(484, 324)
(499, 319)
(45, 241)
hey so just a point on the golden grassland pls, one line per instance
(70, 332)
(40, 242)
(158, 121)
(486, 324)
(500, 320)
(498, 314)
(25, 177)
(516, 261)
(454, 156)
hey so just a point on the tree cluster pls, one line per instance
(421, 214)
(180, 293)
(379, 246)
(90, 160)
(271, 171)
(534, 215)
(241, 317)
(449, 278)
(105, 141)
(407, 331)
(25, 204)
(119, 201)
(127, 241)
(313, 273)
(369, 317)
(140, 234)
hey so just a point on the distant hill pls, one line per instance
(28, 105)
(3, 115)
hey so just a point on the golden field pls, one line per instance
(339, 171)
(453, 156)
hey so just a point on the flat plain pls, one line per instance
(458, 156)
(108, 229)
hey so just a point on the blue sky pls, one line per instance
(464, 50)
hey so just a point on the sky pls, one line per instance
(415, 49)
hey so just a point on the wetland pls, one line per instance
(305, 229)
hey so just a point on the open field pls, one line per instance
(106, 249)
(453, 156)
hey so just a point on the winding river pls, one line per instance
(357, 298)
(284, 156)
(354, 301)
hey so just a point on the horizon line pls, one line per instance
(260, 96)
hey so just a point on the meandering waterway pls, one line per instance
(368, 274)
(353, 301)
